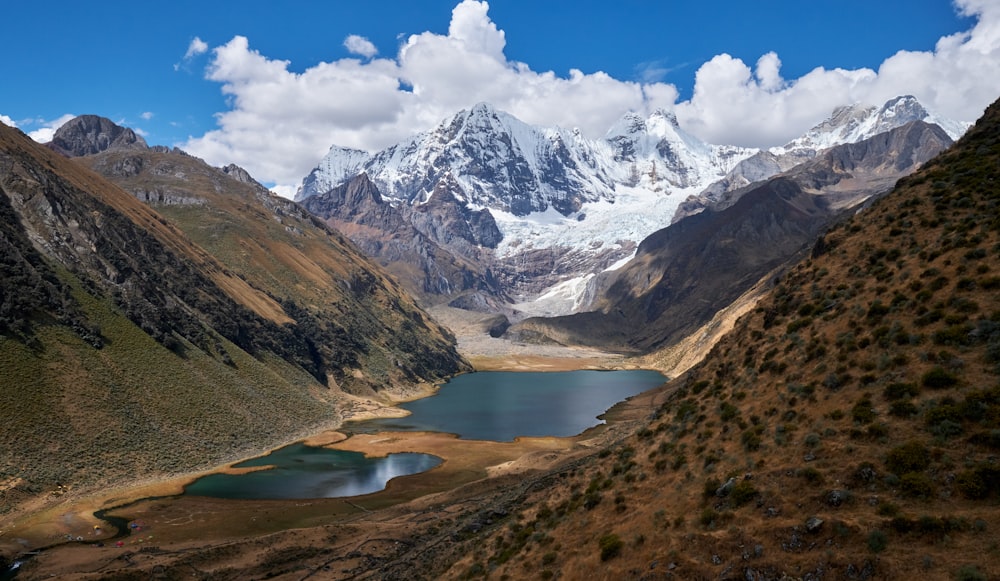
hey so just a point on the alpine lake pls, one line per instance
(487, 405)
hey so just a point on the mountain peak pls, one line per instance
(630, 123)
(482, 108)
(905, 108)
(857, 122)
(668, 116)
(91, 134)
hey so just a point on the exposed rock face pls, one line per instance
(90, 134)
(847, 125)
(851, 172)
(451, 224)
(546, 209)
(436, 246)
(682, 275)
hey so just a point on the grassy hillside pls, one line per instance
(847, 428)
(374, 334)
(129, 351)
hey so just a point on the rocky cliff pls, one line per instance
(682, 275)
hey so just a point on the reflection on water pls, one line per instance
(502, 405)
(308, 472)
(496, 406)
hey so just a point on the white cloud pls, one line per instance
(360, 45)
(146, 115)
(195, 48)
(7, 121)
(280, 123)
(285, 191)
(44, 134)
(956, 80)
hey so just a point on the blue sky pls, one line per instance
(271, 85)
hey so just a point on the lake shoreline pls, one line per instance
(463, 463)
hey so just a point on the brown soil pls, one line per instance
(226, 535)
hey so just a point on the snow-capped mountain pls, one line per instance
(847, 124)
(642, 144)
(567, 206)
(854, 123)
(507, 165)
(552, 191)
(338, 166)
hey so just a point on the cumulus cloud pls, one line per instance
(279, 123)
(7, 121)
(360, 45)
(48, 129)
(957, 80)
(146, 115)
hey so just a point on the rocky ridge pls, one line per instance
(684, 274)
(567, 207)
(848, 124)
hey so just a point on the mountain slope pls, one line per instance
(128, 350)
(566, 207)
(435, 246)
(845, 429)
(682, 275)
(552, 196)
(846, 125)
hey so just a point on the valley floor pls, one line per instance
(488, 353)
(326, 538)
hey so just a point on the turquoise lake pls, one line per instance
(501, 406)
(497, 406)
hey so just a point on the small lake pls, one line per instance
(487, 405)
(309, 472)
(500, 405)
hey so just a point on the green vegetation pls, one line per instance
(611, 546)
(877, 541)
(910, 457)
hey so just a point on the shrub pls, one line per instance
(978, 483)
(989, 439)
(916, 485)
(897, 391)
(710, 486)
(939, 378)
(611, 545)
(877, 541)
(751, 438)
(862, 411)
(903, 409)
(708, 517)
(910, 457)
(728, 411)
(811, 475)
(970, 573)
(887, 509)
(742, 493)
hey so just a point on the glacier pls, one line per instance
(588, 200)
